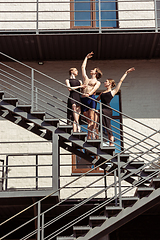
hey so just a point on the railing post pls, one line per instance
(99, 8)
(105, 183)
(101, 126)
(36, 98)
(42, 232)
(39, 221)
(6, 183)
(36, 172)
(37, 19)
(119, 181)
(115, 187)
(32, 89)
(155, 13)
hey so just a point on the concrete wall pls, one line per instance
(131, 14)
(140, 100)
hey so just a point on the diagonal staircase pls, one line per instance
(136, 170)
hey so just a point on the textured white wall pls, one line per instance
(140, 99)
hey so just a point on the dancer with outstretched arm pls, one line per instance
(92, 85)
(105, 98)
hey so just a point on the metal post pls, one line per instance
(6, 183)
(36, 172)
(119, 181)
(39, 221)
(99, 6)
(32, 89)
(155, 13)
(55, 161)
(115, 188)
(101, 127)
(105, 183)
(42, 232)
(37, 30)
(36, 98)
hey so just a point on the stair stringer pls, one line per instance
(123, 217)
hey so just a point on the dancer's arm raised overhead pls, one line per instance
(83, 67)
(114, 91)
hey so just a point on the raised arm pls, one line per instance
(83, 67)
(114, 91)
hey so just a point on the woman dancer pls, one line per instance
(92, 85)
(74, 84)
(106, 97)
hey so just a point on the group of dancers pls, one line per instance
(85, 103)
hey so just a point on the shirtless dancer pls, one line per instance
(92, 85)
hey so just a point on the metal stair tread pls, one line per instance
(65, 238)
(151, 170)
(113, 208)
(65, 126)
(145, 188)
(126, 198)
(81, 228)
(11, 100)
(95, 218)
(79, 133)
(155, 182)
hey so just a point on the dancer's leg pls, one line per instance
(90, 123)
(75, 116)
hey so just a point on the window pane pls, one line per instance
(108, 16)
(83, 15)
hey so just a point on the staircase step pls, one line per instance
(80, 135)
(108, 149)
(66, 128)
(12, 101)
(155, 183)
(151, 170)
(39, 115)
(143, 191)
(96, 220)
(136, 164)
(124, 157)
(25, 108)
(94, 142)
(128, 201)
(1, 94)
(112, 210)
(80, 230)
(53, 122)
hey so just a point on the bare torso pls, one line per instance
(90, 85)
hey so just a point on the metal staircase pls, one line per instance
(135, 165)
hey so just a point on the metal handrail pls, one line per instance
(136, 144)
(64, 95)
(36, 11)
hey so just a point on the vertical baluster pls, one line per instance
(32, 89)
